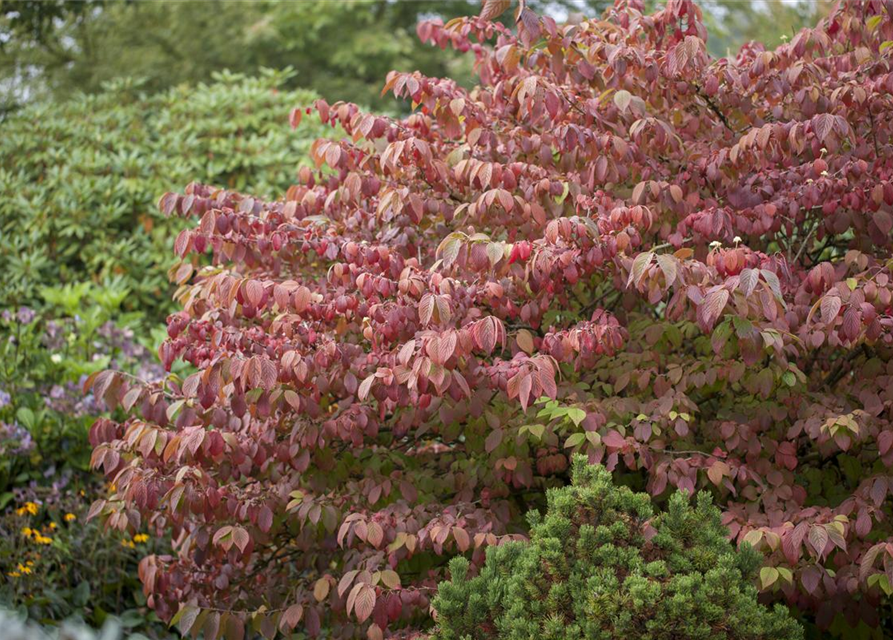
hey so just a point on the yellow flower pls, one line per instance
(53, 525)
(27, 531)
(140, 537)
(31, 508)
(23, 569)
(128, 544)
(70, 517)
(39, 539)
(14, 574)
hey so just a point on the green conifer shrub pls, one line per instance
(601, 565)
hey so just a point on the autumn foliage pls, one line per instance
(613, 245)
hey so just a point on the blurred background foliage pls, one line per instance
(105, 105)
(341, 49)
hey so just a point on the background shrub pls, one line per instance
(56, 566)
(45, 357)
(79, 179)
(601, 566)
(341, 50)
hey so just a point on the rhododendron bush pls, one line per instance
(613, 245)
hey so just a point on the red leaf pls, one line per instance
(494, 8)
(345, 582)
(866, 564)
(375, 534)
(713, 305)
(291, 617)
(810, 578)
(294, 118)
(830, 308)
(792, 541)
(818, 538)
(241, 538)
(265, 519)
(883, 220)
(365, 603)
(878, 491)
(885, 442)
(493, 440)
(426, 309)
(614, 440)
(462, 539)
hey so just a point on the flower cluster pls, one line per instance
(30, 508)
(25, 315)
(15, 440)
(139, 538)
(36, 536)
(22, 569)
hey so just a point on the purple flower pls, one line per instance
(6, 315)
(15, 439)
(25, 315)
(5, 398)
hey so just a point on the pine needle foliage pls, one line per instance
(601, 565)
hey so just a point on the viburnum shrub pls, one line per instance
(613, 244)
(600, 565)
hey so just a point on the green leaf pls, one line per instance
(574, 440)
(576, 415)
(768, 577)
(27, 418)
(884, 583)
(81, 594)
(786, 574)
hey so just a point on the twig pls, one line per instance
(715, 109)
(805, 242)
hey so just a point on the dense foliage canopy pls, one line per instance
(613, 245)
(602, 566)
(77, 178)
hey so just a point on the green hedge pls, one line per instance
(79, 180)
